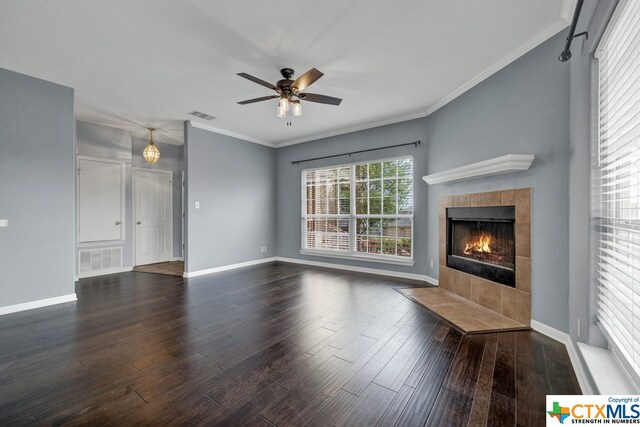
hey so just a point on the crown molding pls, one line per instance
(368, 125)
(231, 134)
(561, 23)
(525, 47)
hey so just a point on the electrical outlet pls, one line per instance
(431, 263)
(263, 249)
(197, 204)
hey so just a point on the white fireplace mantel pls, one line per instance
(498, 165)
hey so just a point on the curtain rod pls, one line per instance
(565, 55)
(297, 162)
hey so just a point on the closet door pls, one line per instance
(99, 201)
(152, 204)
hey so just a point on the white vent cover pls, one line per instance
(201, 115)
(90, 260)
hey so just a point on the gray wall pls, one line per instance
(37, 156)
(523, 108)
(234, 181)
(171, 159)
(583, 76)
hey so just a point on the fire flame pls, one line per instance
(480, 245)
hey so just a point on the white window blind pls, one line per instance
(363, 209)
(618, 184)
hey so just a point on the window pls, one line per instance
(363, 210)
(618, 185)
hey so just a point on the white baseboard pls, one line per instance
(391, 273)
(178, 258)
(104, 272)
(564, 338)
(37, 304)
(227, 267)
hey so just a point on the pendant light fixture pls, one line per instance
(151, 153)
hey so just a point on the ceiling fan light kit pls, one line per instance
(288, 90)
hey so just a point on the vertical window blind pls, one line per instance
(360, 209)
(618, 185)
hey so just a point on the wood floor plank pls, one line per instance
(420, 406)
(451, 409)
(359, 380)
(364, 360)
(243, 384)
(502, 411)
(304, 390)
(356, 348)
(482, 393)
(369, 408)
(394, 411)
(531, 381)
(203, 411)
(396, 372)
(504, 374)
(274, 344)
(333, 410)
(113, 409)
(557, 363)
(157, 382)
(246, 413)
(465, 367)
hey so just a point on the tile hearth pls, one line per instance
(465, 315)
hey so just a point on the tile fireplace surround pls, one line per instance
(514, 303)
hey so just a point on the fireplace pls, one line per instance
(481, 241)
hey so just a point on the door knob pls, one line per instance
(138, 222)
(117, 222)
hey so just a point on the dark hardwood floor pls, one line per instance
(278, 344)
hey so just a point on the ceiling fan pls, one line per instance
(290, 92)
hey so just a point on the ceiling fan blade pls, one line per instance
(322, 99)
(306, 80)
(259, 81)
(264, 98)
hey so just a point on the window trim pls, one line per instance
(598, 215)
(353, 254)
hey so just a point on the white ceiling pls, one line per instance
(137, 63)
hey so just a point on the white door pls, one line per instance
(152, 216)
(99, 200)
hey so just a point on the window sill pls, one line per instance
(606, 372)
(357, 257)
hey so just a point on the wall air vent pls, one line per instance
(201, 115)
(94, 262)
